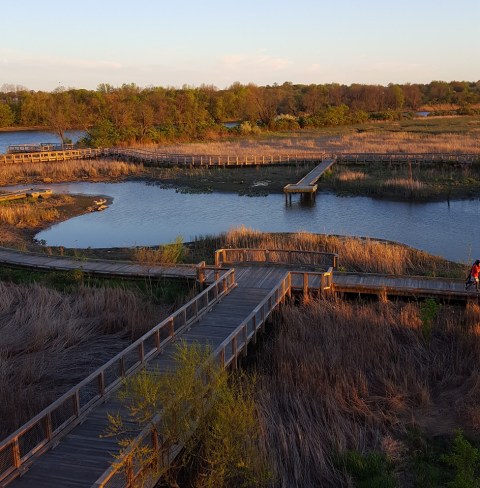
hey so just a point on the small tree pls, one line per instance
(213, 418)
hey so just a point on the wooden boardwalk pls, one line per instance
(82, 458)
(162, 159)
(49, 156)
(62, 446)
(105, 268)
(308, 184)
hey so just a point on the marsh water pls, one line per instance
(34, 137)
(142, 214)
(146, 215)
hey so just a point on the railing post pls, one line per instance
(305, 285)
(234, 352)
(245, 338)
(201, 273)
(101, 383)
(222, 358)
(17, 459)
(122, 366)
(76, 403)
(322, 284)
(48, 425)
(157, 340)
(171, 328)
(254, 328)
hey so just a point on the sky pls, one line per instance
(54, 43)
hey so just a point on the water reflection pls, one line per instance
(144, 215)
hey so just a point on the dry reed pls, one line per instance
(393, 139)
(345, 375)
(355, 254)
(49, 341)
(92, 169)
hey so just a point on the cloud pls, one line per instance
(239, 62)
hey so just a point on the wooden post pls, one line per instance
(171, 327)
(17, 459)
(76, 403)
(254, 327)
(101, 383)
(157, 340)
(48, 425)
(222, 358)
(234, 352)
(245, 339)
(122, 366)
(305, 285)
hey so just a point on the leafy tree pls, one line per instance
(7, 116)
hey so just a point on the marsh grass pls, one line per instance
(31, 212)
(50, 340)
(91, 169)
(355, 254)
(173, 253)
(346, 376)
(421, 135)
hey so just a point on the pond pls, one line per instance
(145, 215)
(34, 137)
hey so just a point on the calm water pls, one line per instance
(34, 136)
(143, 215)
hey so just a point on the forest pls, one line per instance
(131, 114)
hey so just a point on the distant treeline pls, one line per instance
(115, 115)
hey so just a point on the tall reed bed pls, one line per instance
(355, 254)
(33, 213)
(67, 170)
(351, 376)
(51, 340)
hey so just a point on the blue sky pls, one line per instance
(53, 43)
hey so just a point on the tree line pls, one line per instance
(113, 115)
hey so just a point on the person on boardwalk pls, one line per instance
(473, 276)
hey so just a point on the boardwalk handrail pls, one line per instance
(19, 449)
(225, 160)
(279, 256)
(226, 354)
(46, 156)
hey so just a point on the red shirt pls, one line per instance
(475, 270)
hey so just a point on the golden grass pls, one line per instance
(343, 375)
(91, 169)
(393, 139)
(404, 183)
(355, 254)
(50, 340)
(32, 213)
(349, 176)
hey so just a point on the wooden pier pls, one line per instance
(49, 156)
(308, 184)
(62, 445)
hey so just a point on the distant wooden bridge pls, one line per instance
(163, 159)
(157, 158)
(49, 156)
(62, 447)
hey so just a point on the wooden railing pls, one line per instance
(123, 472)
(407, 157)
(217, 160)
(222, 160)
(271, 256)
(32, 439)
(155, 158)
(46, 156)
